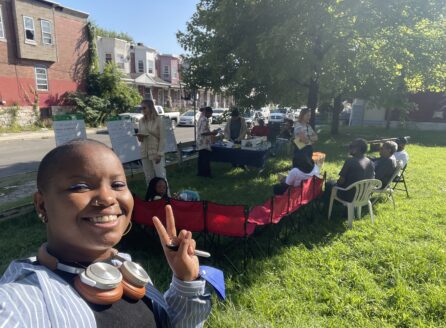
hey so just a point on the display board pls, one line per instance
(123, 140)
(171, 142)
(68, 127)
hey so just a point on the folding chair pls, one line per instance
(363, 191)
(401, 179)
(388, 188)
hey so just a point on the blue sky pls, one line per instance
(153, 22)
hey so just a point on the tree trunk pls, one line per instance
(388, 113)
(313, 92)
(337, 108)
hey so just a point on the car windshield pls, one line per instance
(189, 113)
(279, 110)
(248, 114)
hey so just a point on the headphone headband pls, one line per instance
(100, 282)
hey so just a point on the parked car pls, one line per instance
(137, 114)
(217, 115)
(278, 115)
(188, 119)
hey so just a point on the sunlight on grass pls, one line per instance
(388, 274)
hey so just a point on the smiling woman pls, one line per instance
(84, 201)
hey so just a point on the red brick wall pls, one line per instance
(17, 78)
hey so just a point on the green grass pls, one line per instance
(388, 274)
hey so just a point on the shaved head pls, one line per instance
(53, 161)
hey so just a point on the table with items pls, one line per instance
(250, 153)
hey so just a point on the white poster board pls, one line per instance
(123, 140)
(171, 142)
(68, 127)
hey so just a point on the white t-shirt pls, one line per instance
(296, 176)
(402, 156)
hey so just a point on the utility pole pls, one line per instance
(195, 116)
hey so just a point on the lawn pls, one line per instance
(388, 274)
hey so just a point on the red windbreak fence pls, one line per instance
(188, 215)
(228, 220)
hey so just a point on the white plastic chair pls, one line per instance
(388, 189)
(363, 191)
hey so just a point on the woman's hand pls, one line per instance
(157, 159)
(303, 137)
(183, 262)
(140, 137)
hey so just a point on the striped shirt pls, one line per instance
(31, 295)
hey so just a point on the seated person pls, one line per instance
(385, 165)
(157, 189)
(401, 154)
(356, 168)
(260, 130)
(286, 130)
(303, 169)
(235, 129)
(86, 207)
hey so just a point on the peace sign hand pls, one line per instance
(183, 262)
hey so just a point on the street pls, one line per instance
(20, 156)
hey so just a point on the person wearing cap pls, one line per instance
(401, 154)
(236, 129)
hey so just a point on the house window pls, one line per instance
(2, 28)
(47, 32)
(150, 66)
(41, 78)
(140, 66)
(166, 71)
(28, 23)
(108, 58)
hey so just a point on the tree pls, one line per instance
(107, 96)
(287, 50)
(112, 34)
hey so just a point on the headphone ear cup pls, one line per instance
(133, 292)
(96, 295)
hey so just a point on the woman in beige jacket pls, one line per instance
(151, 134)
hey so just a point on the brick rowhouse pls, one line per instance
(43, 49)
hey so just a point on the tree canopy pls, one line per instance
(297, 51)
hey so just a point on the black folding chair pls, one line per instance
(401, 179)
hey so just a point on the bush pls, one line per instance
(107, 96)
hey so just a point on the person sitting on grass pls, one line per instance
(78, 279)
(401, 154)
(386, 164)
(157, 189)
(260, 130)
(303, 169)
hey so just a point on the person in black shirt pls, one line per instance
(385, 165)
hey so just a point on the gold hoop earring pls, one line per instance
(42, 218)
(129, 227)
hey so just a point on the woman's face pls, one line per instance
(87, 204)
(145, 109)
(306, 117)
(161, 187)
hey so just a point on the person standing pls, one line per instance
(304, 135)
(236, 129)
(204, 142)
(151, 134)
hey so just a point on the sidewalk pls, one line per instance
(42, 134)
